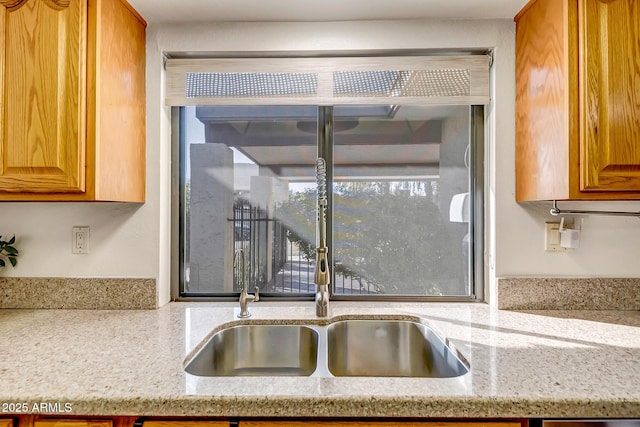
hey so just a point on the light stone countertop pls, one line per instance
(130, 362)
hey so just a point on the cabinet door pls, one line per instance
(184, 423)
(72, 423)
(4, 422)
(319, 423)
(42, 95)
(610, 95)
(545, 87)
(37, 421)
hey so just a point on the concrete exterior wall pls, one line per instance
(211, 206)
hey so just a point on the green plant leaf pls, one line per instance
(1, 263)
(13, 240)
(11, 250)
(13, 261)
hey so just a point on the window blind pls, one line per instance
(407, 80)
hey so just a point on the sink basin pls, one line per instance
(389, 348)
(341, 348)
(258, 350)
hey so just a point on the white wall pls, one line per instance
(131, 241)
(121, 239)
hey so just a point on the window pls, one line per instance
(404, 183)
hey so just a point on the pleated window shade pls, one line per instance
(407, 80)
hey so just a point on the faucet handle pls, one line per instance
(245, 299)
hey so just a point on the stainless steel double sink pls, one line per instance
(343, 348)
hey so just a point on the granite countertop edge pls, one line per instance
(356, 407)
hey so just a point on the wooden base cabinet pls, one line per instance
(320, 423)
(38, 421)
(578, 100)
(184, 423)
(72, 101)
(46, 421)
(72, 423)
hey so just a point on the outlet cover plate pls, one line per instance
(80, 240)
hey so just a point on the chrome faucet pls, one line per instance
(322, 282)
(322, 276)
(245, 298)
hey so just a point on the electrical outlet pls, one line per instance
(80, 240)
(552, 237)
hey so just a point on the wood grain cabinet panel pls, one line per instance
(319, 423)
(184, 423)
(72, 101)
(578, 100)
(610, 94)
(6, 422)
(42, 139)
(38, 420)
(72, 423)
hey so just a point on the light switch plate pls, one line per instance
(552, 238)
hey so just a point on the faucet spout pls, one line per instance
(322, 276)
(322, 279)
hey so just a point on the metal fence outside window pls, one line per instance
(274, 263)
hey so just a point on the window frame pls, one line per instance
(476, 262)
(476, 231)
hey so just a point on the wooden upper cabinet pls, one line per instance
(578, 100)
(43, 84)
(72, 101)
(610, 94)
